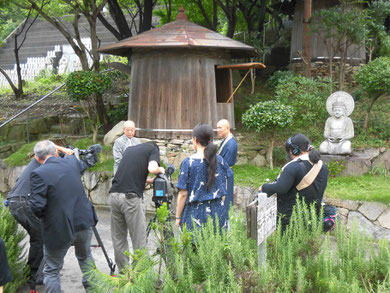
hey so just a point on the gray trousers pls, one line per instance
(127, 214)
(54, 261)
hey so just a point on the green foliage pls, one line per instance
(380, 170)
(118, 112)
(22, 156)
(279, 77)
(377, 13)
(307, 96)
(299, 259)
(340, 22)
(250, 175)
(335, 168)
(13, 238)
(215, 262)
(374, 78)
(368, 187)
(81, 85)
(139, 276)
(268, 115)
(10, 17)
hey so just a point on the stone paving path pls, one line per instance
(71, 274)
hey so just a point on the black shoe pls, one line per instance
(31, 283)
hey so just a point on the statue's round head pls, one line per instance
(341, 101)
(338, 109)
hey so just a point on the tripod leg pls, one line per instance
(110, 263)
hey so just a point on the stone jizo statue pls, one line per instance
(339, 127)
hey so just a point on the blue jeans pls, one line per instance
(55, 260)
(21, 211)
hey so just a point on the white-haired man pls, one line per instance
(124, 141)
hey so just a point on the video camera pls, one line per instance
(162, 187)
(89, 156)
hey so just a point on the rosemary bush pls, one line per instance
(13, 237)
(300, 259)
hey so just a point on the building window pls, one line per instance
(223, 84)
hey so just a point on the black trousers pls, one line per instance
(21, 211)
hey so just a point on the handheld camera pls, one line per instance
(162, 187)
(89, 156)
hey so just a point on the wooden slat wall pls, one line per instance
(175, 89)
(318, 48)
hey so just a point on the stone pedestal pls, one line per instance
(354, 165)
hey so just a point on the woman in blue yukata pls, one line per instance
(202, 182)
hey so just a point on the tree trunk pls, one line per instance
(262, 14)
(343, 61)
(367, 118)
(271, 150)
(231, 26)
(117, 15)
(146, 23)
(18, 69)
(215, 15)
(16, 91)
(230, 10)
(306, 38)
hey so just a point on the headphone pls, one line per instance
(294, 148)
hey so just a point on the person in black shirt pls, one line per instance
(302, 157)
(126, 198)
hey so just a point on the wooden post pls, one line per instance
(306, 38)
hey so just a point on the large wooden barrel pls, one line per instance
(172, 90)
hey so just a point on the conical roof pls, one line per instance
(180, 33)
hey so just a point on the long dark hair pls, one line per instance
(204, 134)
(300, 143)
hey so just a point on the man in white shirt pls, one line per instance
(124, 141)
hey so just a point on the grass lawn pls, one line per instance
(367, 188)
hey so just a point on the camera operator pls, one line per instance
(58, 198)
(126, 198)
(305, 173)
(19, 206)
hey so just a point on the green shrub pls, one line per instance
(335, 168)
(279, 77)
(269, 116)
(307, 96)
(118, 113)
(13, 238)
(139, 276)
(299, 259)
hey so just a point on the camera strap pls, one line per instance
(309, 178)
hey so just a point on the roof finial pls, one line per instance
(181, 15)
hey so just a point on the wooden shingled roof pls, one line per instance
(181, 33)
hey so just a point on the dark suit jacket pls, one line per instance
(58, 198)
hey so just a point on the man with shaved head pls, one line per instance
(126, 140)
(228, 151)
